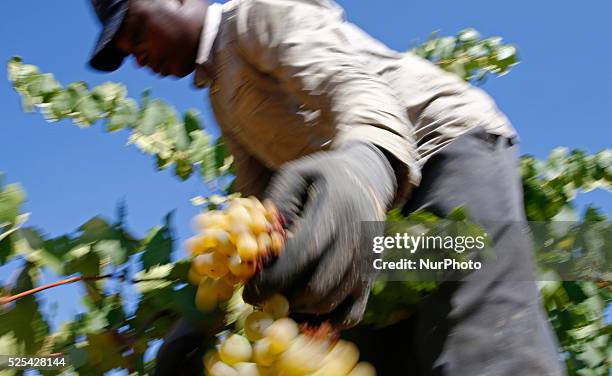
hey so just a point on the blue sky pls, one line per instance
(560, 94)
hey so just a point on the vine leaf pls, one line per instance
(469, 56)
(158, 246)
(155, 127)
(24, 319)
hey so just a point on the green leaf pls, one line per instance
(88, 109)
(458, 68)
(154, 315)
(60, 106)
(111, 251)
(6, 249)
(506, 52)
(593, 214)
(591, 356)
(458, 214)
(23, 319)
(574, 292)
(192, 122)
(12, 197)
(94, 321)
(155, 126)
(468, 55)
(183, 169)
(469, 35)
(181, 132)
(208, 163)
(54, 251)
(109, 94)
(107, 240)
(158, 246)
(13, 67)
(445, 47)
(123, 115)
(104, 314)
(180, 270)
(77, 354)
(115, 313)
(183, 301)
(104, 353)
(223, 158)
(82, 260)
(94, 230)
(154, 116)
(154, 278)
(162, 163)
(77, 91)
(42, 86)
(9, 345)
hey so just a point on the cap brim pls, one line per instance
(106, 57)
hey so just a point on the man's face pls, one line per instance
(161, 35)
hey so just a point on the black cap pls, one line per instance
(107, 57)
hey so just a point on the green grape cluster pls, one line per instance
(230, 245)
(273, 344)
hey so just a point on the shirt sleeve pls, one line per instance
(301, 44)
(252, 177)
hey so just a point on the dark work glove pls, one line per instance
(325, 268)
(182, 351)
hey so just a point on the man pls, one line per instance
(336, 129)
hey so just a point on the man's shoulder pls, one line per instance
(276, 9)
(328, 4)
(276, 17)
(263, 19)
(263, 9)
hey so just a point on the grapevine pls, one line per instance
(109, 335)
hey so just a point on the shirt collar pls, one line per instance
(212, 23)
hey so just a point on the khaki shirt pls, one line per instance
(292, 77)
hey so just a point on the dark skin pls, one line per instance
(163, 35)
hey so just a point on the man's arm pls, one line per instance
(252, 176)
(325, 197)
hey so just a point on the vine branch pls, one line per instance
(11, 298)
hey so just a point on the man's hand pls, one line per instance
(182, 351)
(325, 269)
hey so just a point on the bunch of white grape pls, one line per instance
(273, 345)
(230, 245)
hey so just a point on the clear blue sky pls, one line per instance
(560, 94)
